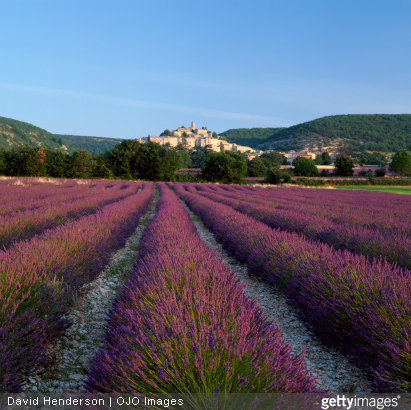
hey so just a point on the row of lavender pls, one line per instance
(380, 211)
(39, 279)
(363, 240)
(58, 210)
(20, 198)
(361, 307)
(174, 330)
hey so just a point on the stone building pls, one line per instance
(195, 137)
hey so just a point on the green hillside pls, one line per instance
(249, 137)
(91, 144)
(361, 132)
(15, 133)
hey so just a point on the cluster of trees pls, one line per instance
(374, 158)
(128, 160)
(260, 166)
(132, 160)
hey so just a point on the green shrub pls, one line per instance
(277, 176)
(380, 172)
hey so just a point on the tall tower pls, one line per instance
(193, 126)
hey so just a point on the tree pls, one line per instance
(257, 168)
(272, 159)
(81, 164)
(184, 141)
(305, 167)
(401, 163)
(380, 172)
(323, 159)
(34, 162)
(318, 160)
(344, 166)
(165, 133)
(345, 151)
(326, 159)
(123, 159)
(57, 163)
(276, 176)
(102, 167)
(3, 164)
(184, 157)
(198, 156)
(226, 167)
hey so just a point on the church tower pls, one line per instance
(193, 126)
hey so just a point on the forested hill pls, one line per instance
(91, 144)
(14, 133)
(249, 137)
(361, 132)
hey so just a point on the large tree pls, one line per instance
(273, 158)
(401, 163)
(150, 161)
(3, 163)
(344, 166)
(305, 167)
(257, 168)
(326, 159)
(123, 159)
(57, 163)
(81, 164)
(184, 157)
(226, 167)
(198, 155)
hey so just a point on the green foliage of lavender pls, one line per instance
(173, 329)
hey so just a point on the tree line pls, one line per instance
(128, 160)
(150, 161)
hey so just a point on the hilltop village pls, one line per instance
(196, 137)
(192, 137)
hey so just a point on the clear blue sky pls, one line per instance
(126, 69)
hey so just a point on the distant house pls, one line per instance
(291, 156)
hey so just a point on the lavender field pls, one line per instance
(181, 322)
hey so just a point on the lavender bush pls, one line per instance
(355, 238)
(174, 330)
(40, 277)
(25, 224)
(362, 307)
